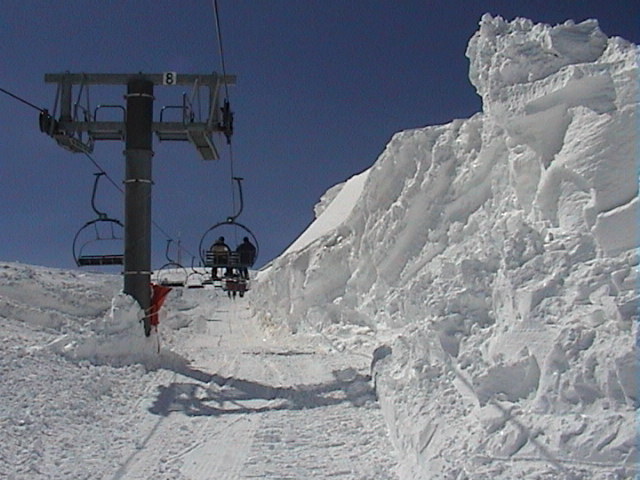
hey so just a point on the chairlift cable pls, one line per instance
(20, 99)
(104, 172)
(119, 188)
(233, 191)
(96, 164)
(226, 89)
(220, 48)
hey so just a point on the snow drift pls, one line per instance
(493, 263)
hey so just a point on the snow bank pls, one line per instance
(90, 319)
(334, 207)
(496, 260)
(116, 339)
(59, 414)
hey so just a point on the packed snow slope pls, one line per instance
(86, 396)
(489, 266)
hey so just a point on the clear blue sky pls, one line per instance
(322, 86)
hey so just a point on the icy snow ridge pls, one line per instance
(498, 257)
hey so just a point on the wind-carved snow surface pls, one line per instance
(493, 263)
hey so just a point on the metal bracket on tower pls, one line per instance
(79, 125)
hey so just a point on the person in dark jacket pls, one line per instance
(247, 256)
(220, 252)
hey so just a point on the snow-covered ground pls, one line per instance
(467, 308)
(86, 396)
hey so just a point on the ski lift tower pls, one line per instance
(78, 126)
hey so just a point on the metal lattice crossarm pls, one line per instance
(79, 126)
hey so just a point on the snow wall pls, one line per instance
(492, 262)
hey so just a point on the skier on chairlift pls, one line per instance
(247, 253)
(220, 251)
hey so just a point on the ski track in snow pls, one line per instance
(250, 407)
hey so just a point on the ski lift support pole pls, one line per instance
(137, 193)
(136, 130)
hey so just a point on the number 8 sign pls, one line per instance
(169, 78)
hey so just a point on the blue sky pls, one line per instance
(322, 86)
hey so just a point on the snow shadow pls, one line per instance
(212, 394)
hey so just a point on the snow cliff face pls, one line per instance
(496, 257)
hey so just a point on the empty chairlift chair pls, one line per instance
(99, 242)
(172, 273)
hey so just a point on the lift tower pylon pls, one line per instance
(78, 127)
(137, 192)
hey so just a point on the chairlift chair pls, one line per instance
(98, 242)
(197, 278)
(231, 261)
(171, 274)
